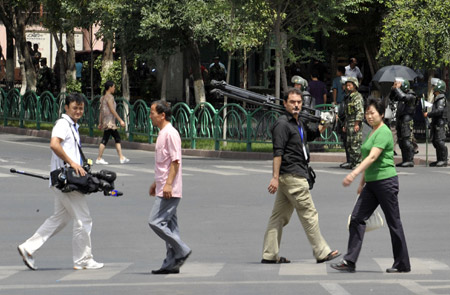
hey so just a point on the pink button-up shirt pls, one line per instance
(168, 150)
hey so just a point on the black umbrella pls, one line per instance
(389, 73)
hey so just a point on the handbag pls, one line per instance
(374, 222)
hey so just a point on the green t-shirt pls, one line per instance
(384, 166)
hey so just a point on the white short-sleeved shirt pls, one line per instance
(65, 129)
(168, 150)
(355, 72)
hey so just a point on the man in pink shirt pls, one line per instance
(167, 188)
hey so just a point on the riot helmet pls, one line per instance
(300, 81)
(438, 85)
(405, 86)
(353, 80)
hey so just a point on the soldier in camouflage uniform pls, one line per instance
(406, 106)
(439, 122)
(354, 114)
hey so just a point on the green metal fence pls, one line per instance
(230, 123)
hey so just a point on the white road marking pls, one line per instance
(244, 169)
(418, 266)
(196, 269)
(7, 271)
(334, 289)
(303, 268)
(210, 171)
(106, 273)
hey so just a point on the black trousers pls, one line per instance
(384, 193)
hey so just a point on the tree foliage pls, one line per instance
(416, 33)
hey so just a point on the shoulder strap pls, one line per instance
(83, 158)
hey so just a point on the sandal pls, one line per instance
(330, 256)
(280, 260)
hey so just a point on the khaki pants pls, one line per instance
(293, 193)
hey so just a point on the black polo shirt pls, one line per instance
(287, 143)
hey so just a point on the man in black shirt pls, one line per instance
(290, 172)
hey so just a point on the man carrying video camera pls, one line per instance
(71, 205)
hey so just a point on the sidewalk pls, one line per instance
(419, 159)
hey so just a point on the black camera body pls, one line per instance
(67, 180)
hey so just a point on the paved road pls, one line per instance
(223, 216)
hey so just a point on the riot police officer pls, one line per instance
(302, 84)
(406, 106)
(439, 118)
(354, 114)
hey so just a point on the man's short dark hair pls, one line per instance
(341, 69)
(292, 91)
(74, 96)
(315, 73)
(162, 106)
(377, 103)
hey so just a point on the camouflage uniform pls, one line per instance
(354, 112)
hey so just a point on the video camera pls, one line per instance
(67, 180)
(308, 113)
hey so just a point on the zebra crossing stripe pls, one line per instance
(303, 268)
(196, 269)
(7, 271)
(418, 266)
(334, 289)
(105, 273)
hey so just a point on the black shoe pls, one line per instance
(399, 164)
(280, 260)
(163, 271)
(180, 261)
(344, 265)
(395, 270)
(441, 164)
(433, 164)
(406, 164)
(344, 165)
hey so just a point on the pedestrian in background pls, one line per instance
(378, 186)
(65, 146)
(338, 90)
(317, 88)
(289, 181)
(167, 188)
(352, 70)
(107, 122)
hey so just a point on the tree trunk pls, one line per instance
(283, 72)
(125, 76)
(108, 57)
(28, 71)
(71, 72)
(23, 88)
(61, 61)
(166, 61)
(369, 59)
(10, 61)
(199, 86)
(244, 74)
(277, 52)
(430, 87)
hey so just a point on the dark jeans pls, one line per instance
(384, 193)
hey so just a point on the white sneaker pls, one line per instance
(101, 161)
(27, 258)
(91, 264)
(124, 160)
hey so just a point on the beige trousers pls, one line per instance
(293, 193)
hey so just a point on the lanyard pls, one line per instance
(300, 130)
(82, 157)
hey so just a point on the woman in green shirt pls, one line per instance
(378, 186)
